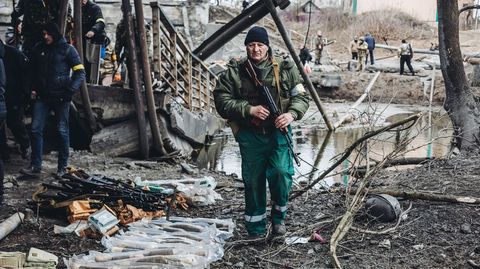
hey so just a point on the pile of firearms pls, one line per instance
(78, 185)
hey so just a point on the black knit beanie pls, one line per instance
(52, 29)
(257, 34)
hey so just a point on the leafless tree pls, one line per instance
(461, 104)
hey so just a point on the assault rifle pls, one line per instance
(272, 106)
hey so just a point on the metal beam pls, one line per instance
(234, 27)
(273, 11)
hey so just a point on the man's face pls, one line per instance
(84, 2)
(257, 51)
(47, 38)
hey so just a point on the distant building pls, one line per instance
(422, 10)
(317, 5)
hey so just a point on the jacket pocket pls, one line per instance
(61, 82)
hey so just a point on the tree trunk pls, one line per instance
(460, 104)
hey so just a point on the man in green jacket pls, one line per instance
(263, 147)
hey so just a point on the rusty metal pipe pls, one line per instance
(273, 11)
(234, 27)
(147, 79)
(87, 106)
(134, 75)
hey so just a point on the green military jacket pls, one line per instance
(236, 93)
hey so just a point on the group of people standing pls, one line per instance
(360, 48)
(39, 68)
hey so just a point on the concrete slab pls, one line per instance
(326, 80)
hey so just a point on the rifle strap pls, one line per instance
(276, 73)
(251, 72)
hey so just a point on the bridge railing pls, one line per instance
(177, 68)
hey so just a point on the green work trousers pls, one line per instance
(265, 157)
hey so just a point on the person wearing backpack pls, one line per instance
(261, 137)
(405, 52)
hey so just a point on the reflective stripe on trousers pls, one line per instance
(256, 218)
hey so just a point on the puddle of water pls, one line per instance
(318, 148)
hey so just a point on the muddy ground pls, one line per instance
(434, 234)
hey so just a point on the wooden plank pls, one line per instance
(358, 102)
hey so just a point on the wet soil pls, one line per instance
(434, 234)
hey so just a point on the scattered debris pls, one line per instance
(76, 227)
(197, 191)
(316, 236)
(178, 243)
(10, 224)
(385, 244)
(418, 247)
(296, 240)
(466, 228)
(104, 220)
(383, 207)
(186, 168)
(41, 259)
(36, 258)
(12, 259)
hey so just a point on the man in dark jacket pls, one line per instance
(17, 92)
(93, 30)
(52, 61)
(371, 46)
(3, 110)
(305, 55)
(35, 13)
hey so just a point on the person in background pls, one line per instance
(319, 44)
(354, 48)
(263, 145)
(405, 52)
(35, 14)
(93, 29)
(371, 47)
(305, 55)
(58, 74)
(362, 53)
(17, 94)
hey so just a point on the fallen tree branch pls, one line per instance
(468, 8)
(360, 171)
(352, 208)
(349, 115)
(415, 195)
(350, 149)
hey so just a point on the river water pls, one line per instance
(319, 149)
